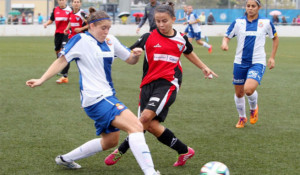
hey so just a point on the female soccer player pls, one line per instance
(194, 29)
(250, 58)
(76, 22)
(161, 81)
(94, 53)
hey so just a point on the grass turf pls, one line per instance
(38, 124)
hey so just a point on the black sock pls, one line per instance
(169, 139)
(124, 146)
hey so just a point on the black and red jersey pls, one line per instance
(76, 21)
(162, 56)
(61, 18)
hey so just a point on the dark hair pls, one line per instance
(92, 10)
(167, 7)
(257, 2)
(97, 16)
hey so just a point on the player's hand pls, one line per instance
(185, 23)
(224, 46)
(271, 63)
(77, 30)
(138, 30)
(137, 51)
(209, 73)
(66, 31)
(34, 83)
(45, 25)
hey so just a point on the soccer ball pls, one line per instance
(214, 168)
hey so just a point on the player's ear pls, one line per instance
(174, 19)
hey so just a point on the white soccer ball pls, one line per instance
(214, 168)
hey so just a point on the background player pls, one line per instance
(98, 94)
(194, 29)
(162, 78)
(60, 15)
(250, 58)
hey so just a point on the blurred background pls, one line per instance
(223, 11)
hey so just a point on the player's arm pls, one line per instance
(55, 68)
(193, 58)
(225, 42)
(67, 29)
(195, 22)
(80, 29)
(271, 61)
(143, 20)
(134, 56)
(50, 21)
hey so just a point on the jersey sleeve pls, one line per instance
(52, 18)
(140, 43)
(271, 30)
(121, 51)
(231, 30)
(188, 46)
(73, 49)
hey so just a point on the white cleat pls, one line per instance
(71, 165)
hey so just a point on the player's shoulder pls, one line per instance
(68, 8)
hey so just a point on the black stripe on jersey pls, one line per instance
(189, 47)
(141, 42)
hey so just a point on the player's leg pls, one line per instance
(129, 123)
(64, 72)
(168, 138)
(239, 78)
(255, 74)
(202, 43)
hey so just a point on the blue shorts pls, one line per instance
(186, 29)
(242, 72)
(196, 35)
(104, 112)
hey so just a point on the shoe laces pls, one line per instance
(117, 155)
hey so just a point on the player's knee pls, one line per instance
(110, 144)
(239, 94)
(249, 91)
(145, 119)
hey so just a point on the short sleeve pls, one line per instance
(121, 51)
(188, 46)
(271, 30)
(231, 30)
(73, 49)
(140, 43)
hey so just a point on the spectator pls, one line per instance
(202, 18)
(15, 20)
(23, 19)
(137, 20)
(2, 19)
(40, 18)
(9, 19)
(211, 19)
(30, 19)
(275, 19)
(298, 20)
(294, 22)
(283, 20)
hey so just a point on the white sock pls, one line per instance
(141, 152)
(88, 149)
(206, 45)
(252, 99)
(240, 105)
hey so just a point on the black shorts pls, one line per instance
(60, 40)
(158, 96)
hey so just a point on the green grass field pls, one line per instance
(38, 124)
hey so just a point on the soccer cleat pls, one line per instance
(71, 165)
(62, 80)
(206, 39)
(113, 158)
(210, 49)
(182, 158)
(254, 115)
(241, 123)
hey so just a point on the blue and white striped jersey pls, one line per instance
(195, 28)
(251, 38)
(94, 60)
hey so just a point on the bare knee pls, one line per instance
(107, 144)
(249, 91)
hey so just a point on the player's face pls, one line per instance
(190, 9)
(164, 23)
(62, 3)
(100, 31)
(76, 4)
(252, 8)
